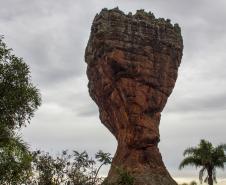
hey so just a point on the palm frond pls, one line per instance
(222, 146)
(19, 143)
(218, 157)
(204, 143)
(220, 163)
(189, 151)
(191, 160)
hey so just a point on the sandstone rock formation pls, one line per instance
(132, 69)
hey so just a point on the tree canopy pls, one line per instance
(19, 98)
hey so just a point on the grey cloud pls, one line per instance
(53, 39)
(55, 130)
(87, 111)
(199, 104)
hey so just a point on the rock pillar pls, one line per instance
(132, 63)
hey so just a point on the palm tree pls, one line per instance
(104, 158)
(207, 157)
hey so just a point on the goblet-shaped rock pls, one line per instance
(132, 69)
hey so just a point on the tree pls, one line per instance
(19, 98)
(49, 170)
(207, 157)
(79, 171)
(104, 159)
(15, 162)
(18, 101)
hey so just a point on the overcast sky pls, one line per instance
(51, 36)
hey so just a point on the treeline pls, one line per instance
(40, 168)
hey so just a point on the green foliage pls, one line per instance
(15, 162)
(75, 169)
(104, 158)
(82, 168)
(207, 157)
(49, 170)
(191, 183)
(125, 178)
(18, 101)
(19, 98)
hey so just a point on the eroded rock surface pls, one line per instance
(132, 69)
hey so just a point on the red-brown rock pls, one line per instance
(132, 69)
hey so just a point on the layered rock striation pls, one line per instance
(132, 64)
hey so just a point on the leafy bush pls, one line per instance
(125, 178)
(74, 169)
